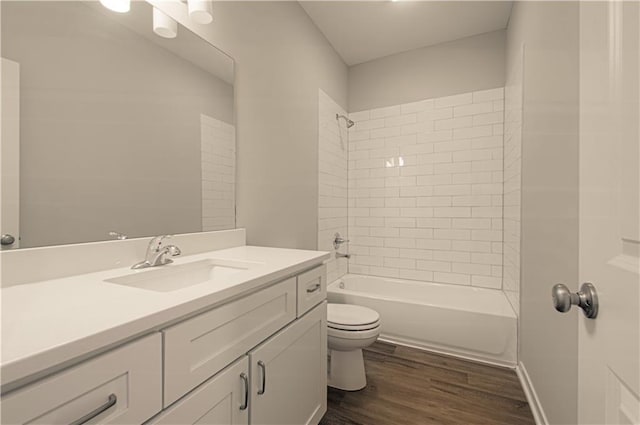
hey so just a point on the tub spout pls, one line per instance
(347, 256)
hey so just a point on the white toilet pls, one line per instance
(350, 329)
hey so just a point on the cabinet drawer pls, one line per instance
(312, 289)
(221, 400)
(198, 348)
(123, 386)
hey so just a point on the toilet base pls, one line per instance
(346, 370)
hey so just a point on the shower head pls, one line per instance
(349, 122)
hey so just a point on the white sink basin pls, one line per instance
(178, 276)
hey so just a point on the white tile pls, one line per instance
(489, 118)
(452, 234)
(436, 266)
(473, 132)
(453, 212)
(385, 132)
(472, 223)
(485, 258)
(400, 120)
(400, 263)
(460, 122)
(433, 244)
(435, 136)
(473, 109)
(422, 275)
(455, 278)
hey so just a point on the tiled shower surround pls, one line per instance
(513, 180)
(425, 190)
(332, 168)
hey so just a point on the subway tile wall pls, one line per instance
(512, 180)
(218, 156)
(425, 190)
(332, 202)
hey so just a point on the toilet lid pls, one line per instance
(351, 317)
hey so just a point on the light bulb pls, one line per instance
(201, 11)
(120, 6)
(163, 25)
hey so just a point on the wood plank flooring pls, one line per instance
(406, 386)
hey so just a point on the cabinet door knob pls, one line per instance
(262, 366)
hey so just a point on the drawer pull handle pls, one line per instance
(245, 384)
(86, 418)
(262, 366)
(313, 288)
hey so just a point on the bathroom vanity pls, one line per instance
(231, 336)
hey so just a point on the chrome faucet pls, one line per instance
(156, 253)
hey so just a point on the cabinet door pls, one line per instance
(122, 386)
(289, 373)
(222, 400)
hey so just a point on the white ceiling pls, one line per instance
(361, 31)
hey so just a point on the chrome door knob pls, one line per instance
(7, 239)
(586, 299)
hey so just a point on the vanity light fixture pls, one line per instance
(201, 11)
(163, 25)
(120, 6)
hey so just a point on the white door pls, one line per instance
(609, 346)
(289, 373)
(10, 152)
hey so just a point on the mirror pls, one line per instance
(112, 128)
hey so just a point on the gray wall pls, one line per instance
(549, 340)
(108, 141)
(461, 66)
(281, 61)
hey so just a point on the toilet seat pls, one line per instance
(354, 336)
(349, 317)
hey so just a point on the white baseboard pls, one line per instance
(532, 397)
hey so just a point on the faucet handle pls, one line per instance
(173, 250)
(338, 240)
(156, 243)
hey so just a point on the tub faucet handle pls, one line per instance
(338, 240)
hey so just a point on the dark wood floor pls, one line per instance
(406, 386)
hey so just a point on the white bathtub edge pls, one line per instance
(532, 396)
(452, 353)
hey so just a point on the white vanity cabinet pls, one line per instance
(259, 358)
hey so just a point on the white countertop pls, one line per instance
(50, 322)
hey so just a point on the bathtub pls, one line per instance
(463, 321)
